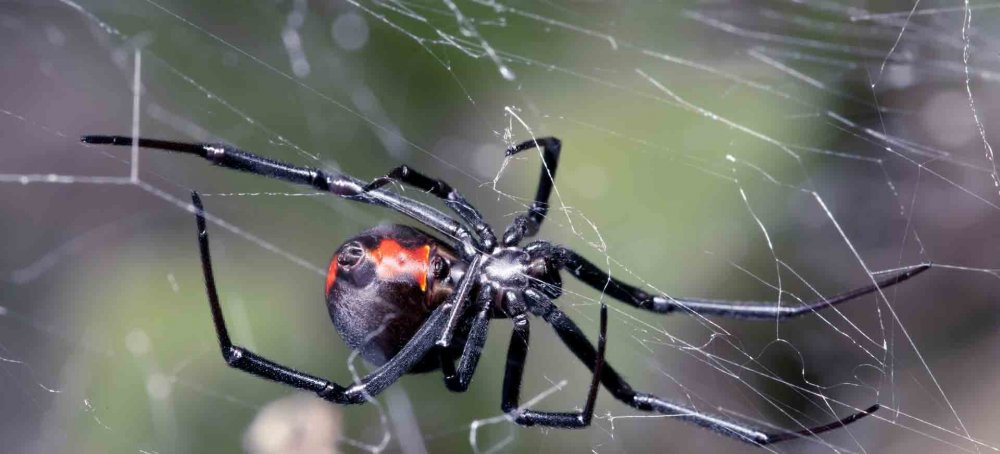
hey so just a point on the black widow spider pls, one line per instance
(411, 303)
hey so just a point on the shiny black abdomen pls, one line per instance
(381, 290)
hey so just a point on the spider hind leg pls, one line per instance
(415, 350)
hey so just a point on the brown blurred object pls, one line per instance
(295, 424)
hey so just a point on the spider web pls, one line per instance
(776, 151)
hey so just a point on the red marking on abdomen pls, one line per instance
(393, 261)
(331, 274)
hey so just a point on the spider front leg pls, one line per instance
(517, 353)
(527, 224)
(240, 358)
(593, 276)
(577, 342)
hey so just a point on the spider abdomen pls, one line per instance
(381, 287)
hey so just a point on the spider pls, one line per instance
(409, 302)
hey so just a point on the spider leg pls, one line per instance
(528, 223)
(517, 353)
(577, 342)
(336, 183)
(458, 380)
(444, 191)
(590, 274)
(240, 358)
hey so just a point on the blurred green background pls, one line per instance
(702, 144)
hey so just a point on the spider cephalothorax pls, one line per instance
(410, 302)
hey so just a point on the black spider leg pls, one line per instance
(590, 274)
(528, 223)
(517, 353)
(445, 192)
(372, 384)
(459, 380)
(577, 342)
(339, 184)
